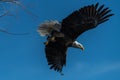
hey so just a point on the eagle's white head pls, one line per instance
(46, 28)
(76, 44)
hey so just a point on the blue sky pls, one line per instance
(22, 57)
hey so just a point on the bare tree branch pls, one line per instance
(21, 5)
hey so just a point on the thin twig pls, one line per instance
(21, 5)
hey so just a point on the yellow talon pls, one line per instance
(50, 39)
(46, 43)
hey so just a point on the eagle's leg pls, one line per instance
(54, 35)
(52, 39)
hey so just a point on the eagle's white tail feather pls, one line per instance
(46, 28)
(43, 32)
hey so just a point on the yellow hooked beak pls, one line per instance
(81, 47)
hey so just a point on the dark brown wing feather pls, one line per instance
(84, 19)
(56, 54)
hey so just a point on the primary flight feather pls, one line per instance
(63, 35)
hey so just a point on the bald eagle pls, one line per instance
(61, 35)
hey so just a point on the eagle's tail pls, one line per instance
(46, 28)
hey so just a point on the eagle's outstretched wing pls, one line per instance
(76, 23)
(56, 54)
(84, 19)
